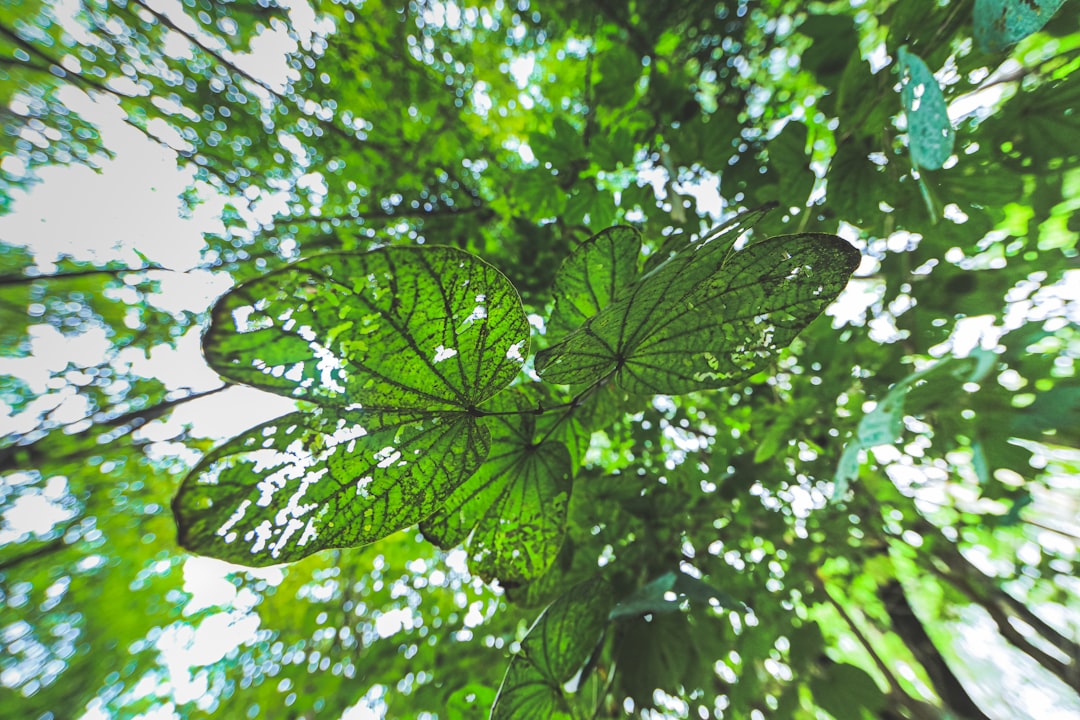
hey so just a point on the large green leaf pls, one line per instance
(707, 316)
(398, 346)
(557, 646)
(319, 479)
(397, 328)
(1000, 23)
(930, 134)
(513, 510)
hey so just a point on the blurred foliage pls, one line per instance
(515, 131)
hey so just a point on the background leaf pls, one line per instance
(930, 134)
(703, 324)
(1000, 23)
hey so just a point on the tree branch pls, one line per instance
(910, 629)
(12, 279)
(42, 550)
(32, 454)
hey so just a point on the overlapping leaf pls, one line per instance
(552, 653)
(398, 346)
(320, 479)
(1000, 23)
(513, 510)
(930, 134)
(704, 316)
(592, 276)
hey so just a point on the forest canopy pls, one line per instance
(697, 359)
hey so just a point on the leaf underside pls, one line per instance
(556, 647)
(396, 347)
(706, 316)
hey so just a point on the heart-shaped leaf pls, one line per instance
(397, 347)
(1000, 23)
(930, 134)
(707, 316)
(513, 510)
(554, 650)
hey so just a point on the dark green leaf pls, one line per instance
(556, 647)
(846, 690)
(667, 593)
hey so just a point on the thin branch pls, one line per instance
(910, 629)
(890, 678)
(12, 279)
(43, 550)
(237, 70)
(380, 213)
(31, 454)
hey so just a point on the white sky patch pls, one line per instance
(443, 353)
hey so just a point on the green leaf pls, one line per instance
(398, 346)
(787, 153)
(592, 276)
(556, 647)
(1001, 23)
(513, 510)
(706, 316)
(930, 134)
(844, 690)
(666, 594)
(472, 702)
(400, 328)
(320, 479)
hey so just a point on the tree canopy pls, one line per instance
(697, 359)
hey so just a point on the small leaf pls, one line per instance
(592, 276)
(930, 134)
(706, 316)
(1001, 23)
(513, 510)
(555, 649)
